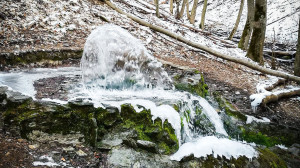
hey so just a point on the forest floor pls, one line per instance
(78, 18)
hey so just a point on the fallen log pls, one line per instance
(274, 97)
(281, 53)
(244, 62)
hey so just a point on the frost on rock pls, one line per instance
(114, 59)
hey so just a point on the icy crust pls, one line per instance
(23, 81)
(217, 146)
(114, 59)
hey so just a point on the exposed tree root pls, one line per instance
(244, 62)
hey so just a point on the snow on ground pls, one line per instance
(262, 93)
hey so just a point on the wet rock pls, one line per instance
(127, 157)
(295, 149)
(147, 145)
(16, 97)
(130, 142)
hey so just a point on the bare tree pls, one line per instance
(237, 22)
(203, 15)
(180, 14)
(244, 41)
(157, 7)
(193, 12)
(255, 51)
(297, 59)
(171, 6)
(188, 10)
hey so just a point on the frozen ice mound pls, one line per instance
(114, 59)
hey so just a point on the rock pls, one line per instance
(16, 97)
(187, 158)
(295, 149)
(81, 153)
(127, 157)
(68, 149)
(130, 142)
(147, 145)
(35, 146)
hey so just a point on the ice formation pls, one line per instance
(114, 59)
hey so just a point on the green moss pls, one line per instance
(269, 159)
(200, 89)
(259, 138)
(197, 71)
(147, 129)
(177, 77)
(176, 107)
(228, 107)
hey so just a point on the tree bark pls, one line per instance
(237, 22)
(255, 51)
(193, 12)
(203, 15)
(207, 49)
(244, 41)
(180, 14)
(171, 7)
(297, 58)
(188, 10)
(157, 7)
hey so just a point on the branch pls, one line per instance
(204, 48)
(274, 97)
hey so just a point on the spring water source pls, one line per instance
(117, 69)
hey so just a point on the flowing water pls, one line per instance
(116, 69)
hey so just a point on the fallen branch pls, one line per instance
(281, 53)
(204, 48)
(274, 97)
(279, 82)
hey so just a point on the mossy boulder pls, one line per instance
(24, 116)
(192, 82)
(155, 131)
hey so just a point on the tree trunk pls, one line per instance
(297, 58)
(255, 51)
(157, 7)
(205, 48)
(244, 41)
(180, 14)
(237, 20)
(203, 15)
(171, 7)
(188, 10)
(193, 12)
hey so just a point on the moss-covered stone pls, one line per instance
(93, 123)
(200, 89)
(228, 107)
(269, 159)
(155, 131)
